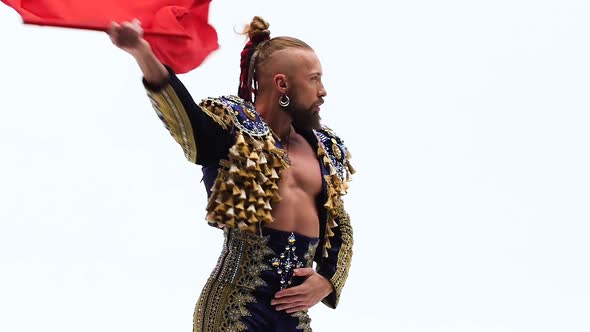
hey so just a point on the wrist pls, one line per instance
(328, 287)
(142, 51)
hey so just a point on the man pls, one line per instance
(274, 178)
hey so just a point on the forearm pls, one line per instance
(153, 70)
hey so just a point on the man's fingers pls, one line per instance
(128, 25)
(113, 28)
(289, 291)
(291, 307)
(289, 300)
(303, 272)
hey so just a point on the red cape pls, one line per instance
(177, 30)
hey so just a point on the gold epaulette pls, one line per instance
(336, 159)
(247, 181)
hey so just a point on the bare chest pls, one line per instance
(304, 173)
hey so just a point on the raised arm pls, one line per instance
(203, 136)
(129, 37)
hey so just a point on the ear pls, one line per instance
(280, 83)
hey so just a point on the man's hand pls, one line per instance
(314, 289)
(128, 36)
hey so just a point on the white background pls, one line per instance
(468, 123)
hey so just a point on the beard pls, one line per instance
(304, 117)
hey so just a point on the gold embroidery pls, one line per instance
(250, 114)
(304, 321)
(172, 113)
(230, 287)
(345, 253)
(336, 149)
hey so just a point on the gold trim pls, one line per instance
(345, 253)
(171, 111)
(229, 289)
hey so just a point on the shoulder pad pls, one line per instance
(336, 151)
(232, 110)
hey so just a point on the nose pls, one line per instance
(322, 92)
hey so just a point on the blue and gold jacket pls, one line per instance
(242, 164)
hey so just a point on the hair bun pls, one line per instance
(257, 30)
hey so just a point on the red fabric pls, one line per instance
(163, 21)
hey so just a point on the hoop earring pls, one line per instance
(284, 101)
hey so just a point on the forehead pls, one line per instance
(307, 60)
(302, 61)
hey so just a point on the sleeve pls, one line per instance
(336, 265)
(203, 136)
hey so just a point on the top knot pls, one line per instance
(257, 30)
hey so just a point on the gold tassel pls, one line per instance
(244, 151)
(273, 174)
(329, 232)
(253, 218)
(229, 201)
(251, 208)
(222, 186)
(332, 170)
(350, 168)
(250, 164)
(329, 205)
(276, 162)
(235, 191)
(233, 151)
(211, 217)
(233, 168)
(240, 140)
(251, 199)
(258, 145)
(230, 181)
(332, 223)
(261, 178)
(259, 189)
(253, 155)
(331, 190)
(268, 217)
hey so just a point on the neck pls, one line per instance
(277, 119)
